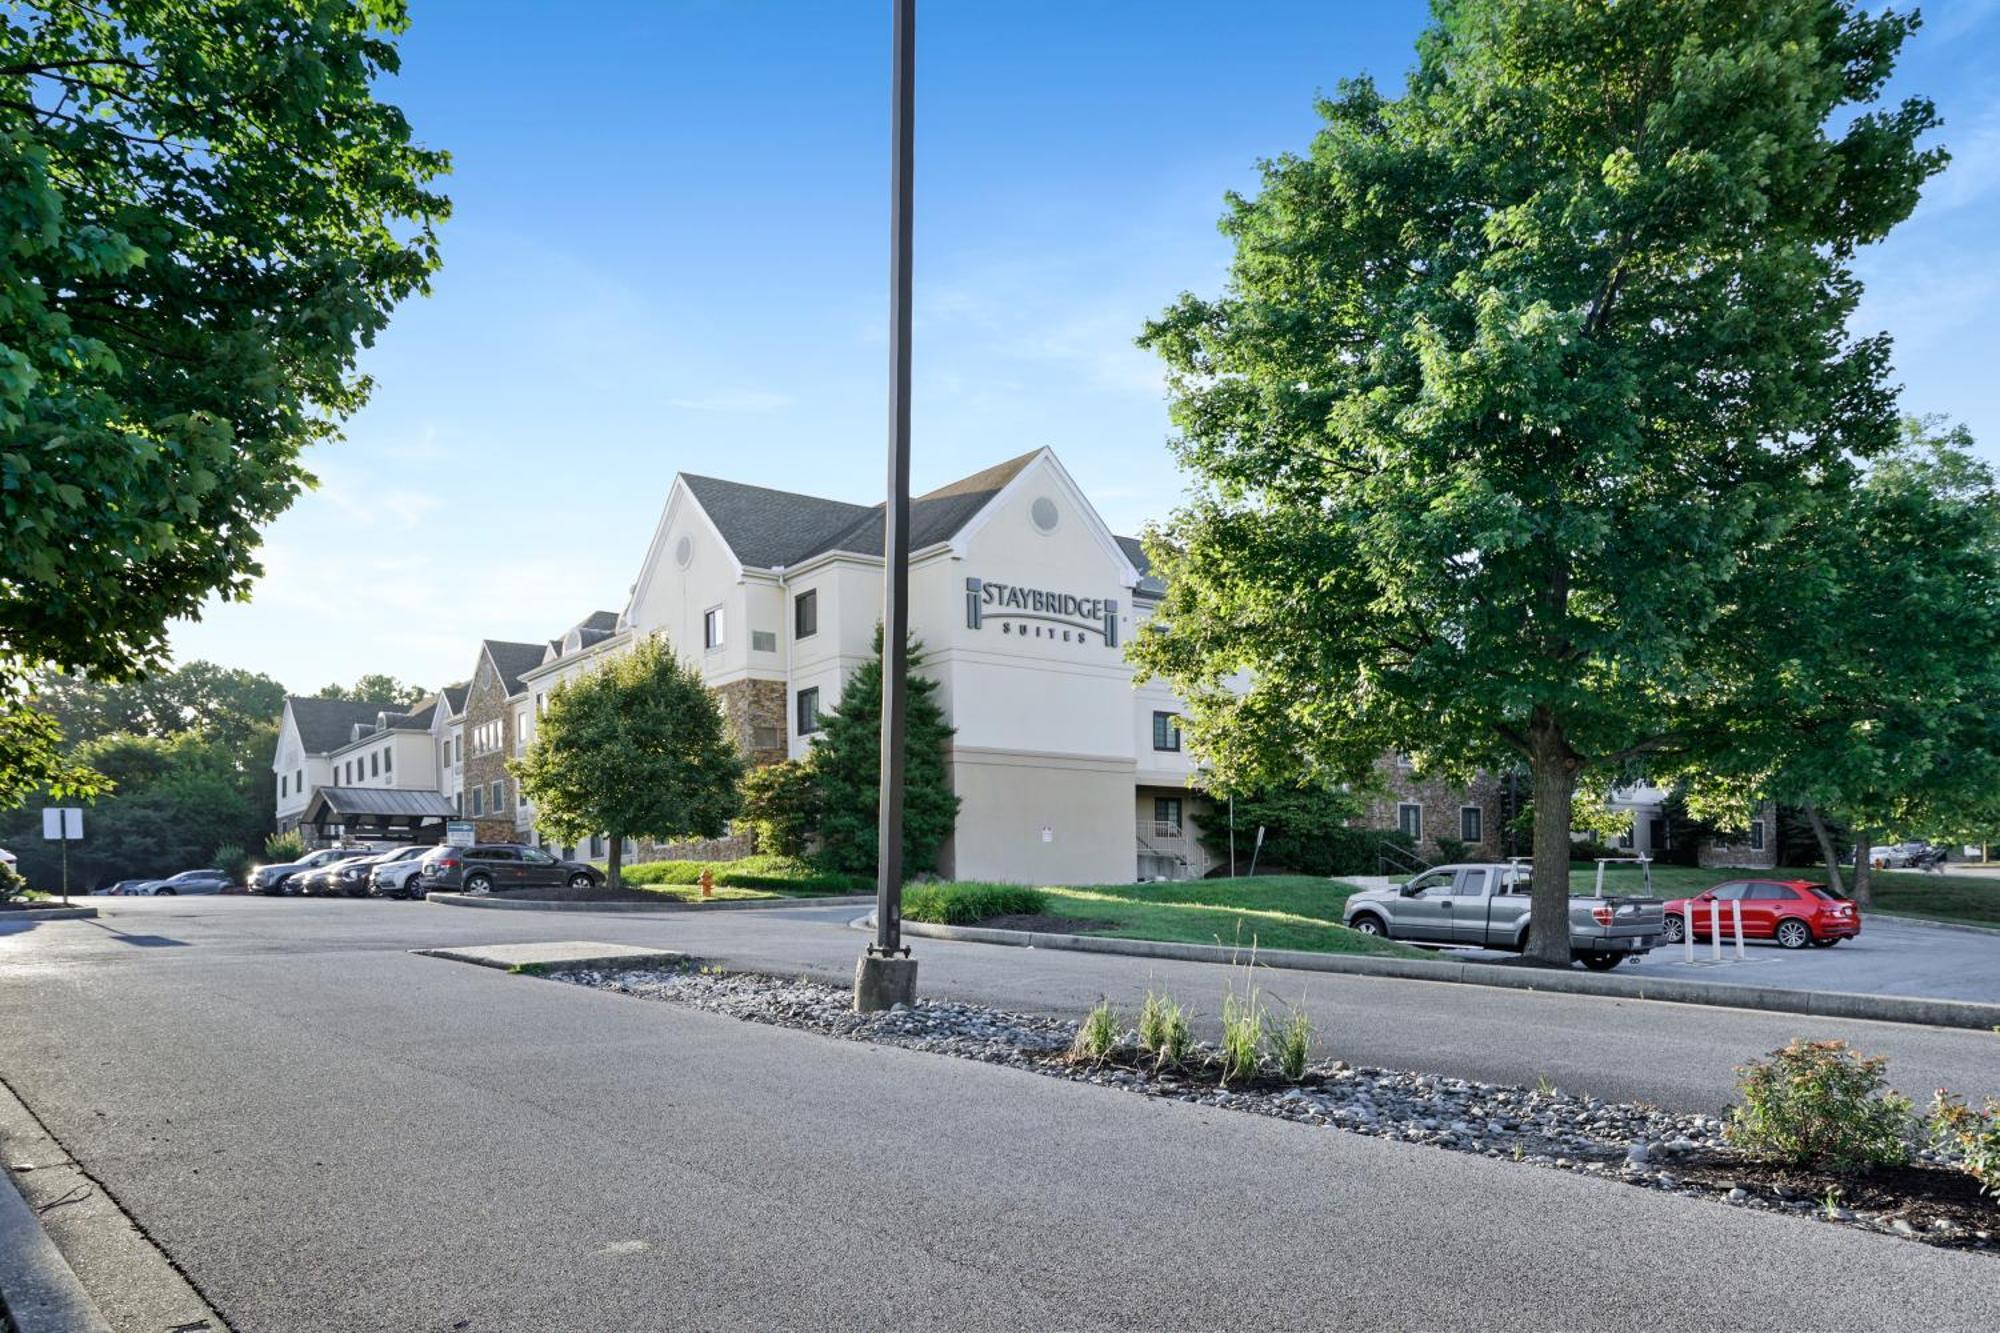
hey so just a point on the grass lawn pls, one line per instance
(1273, 911)
(1974, 900)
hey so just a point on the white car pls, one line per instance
(400, 875)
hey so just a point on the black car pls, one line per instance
(495, 867)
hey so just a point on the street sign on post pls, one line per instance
(460, 833)
(63, 824)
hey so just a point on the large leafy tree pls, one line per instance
(208, 215)
(634, 749)
(1885, 716)
(375, 686)
(846, 766)
(1518, 380)
(225, 704)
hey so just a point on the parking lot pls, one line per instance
(1891, 956)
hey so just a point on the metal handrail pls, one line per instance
(1391, 859)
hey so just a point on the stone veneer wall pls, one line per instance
(1732, 851)
(1440, 801)
(485, 701)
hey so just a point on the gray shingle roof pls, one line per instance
(511, 659)
(1149, 583)
(767, 528)
(454, 699)
(327, 724)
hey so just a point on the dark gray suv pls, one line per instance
(495, 867)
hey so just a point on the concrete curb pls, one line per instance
(1816, 1004)
(1965, 926)
(38, 1289)
(545, 905)
(50, 914)
(609, 961)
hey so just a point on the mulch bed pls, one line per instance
(1922, 1196)
(52, 905)
(1043, 923)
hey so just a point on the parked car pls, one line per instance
(1486, 905)
(494, 867)
(278, 878)
(125, 887)
(401, 876)
(1794, 912)
(351, 877)
(189, 881)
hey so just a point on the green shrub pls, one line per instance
(1097, 1036)
(1589, 850)
(1450, 850)
(962, 904)
(750, 872)
(1818, 1104)
(233, 861)
(284, 848)
(1973, 1135)
(12, 886)
(1291, 1044)
(1242, 1034)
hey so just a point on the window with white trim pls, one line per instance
(807, 708)
(1471, 824)
(1410, 819)
(711, 628)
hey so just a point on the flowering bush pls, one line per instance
(1818, 1104)
(1973, 1135)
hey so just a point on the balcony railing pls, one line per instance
(1162, 830)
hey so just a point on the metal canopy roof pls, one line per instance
(344, 801)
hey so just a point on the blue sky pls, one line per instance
(669, 254)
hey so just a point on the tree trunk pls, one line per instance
(1827, 854)
(1552, 767)
(1864, 868)
(614, 861)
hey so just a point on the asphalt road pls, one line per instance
(327, 1132)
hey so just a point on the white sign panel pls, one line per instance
(62, 824)
(460, 833)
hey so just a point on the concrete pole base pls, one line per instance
(883, 983)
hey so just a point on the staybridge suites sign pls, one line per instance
(1040, 613)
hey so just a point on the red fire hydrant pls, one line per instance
(707, 882)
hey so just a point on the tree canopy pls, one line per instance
(636, 748)
(209, 215)
(1518, 383)
(372, 687)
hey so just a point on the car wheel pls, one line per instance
(1369, 925)
(478, 883)
(1602, 962)
(1794, 934)
(166, 893)
(1675, 930)
(415, 889)
(580, 881)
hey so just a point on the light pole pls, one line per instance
(886, 974)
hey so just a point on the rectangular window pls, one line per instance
(375, 765)
(299, 781)
(1471, 824)
(1410, 819)
(1166, 731)
(458, 802)
(1625, 839)
(1167, 816)
(711, 628)
(283, 778)
(805, 614)
(541, 705)
(1756, 835)
(499, 796)
(520, 730)
(388, 761)
(808, 711)
(478, 801)
(764, 640)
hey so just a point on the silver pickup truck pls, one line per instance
(1485, 906)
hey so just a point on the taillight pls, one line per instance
(1601, 915)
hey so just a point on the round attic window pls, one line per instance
(684, 552)
(1044, 514)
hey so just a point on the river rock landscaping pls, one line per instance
(1640, 1145)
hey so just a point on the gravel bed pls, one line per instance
(1631, 1142)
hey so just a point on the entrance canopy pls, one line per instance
(377, 812)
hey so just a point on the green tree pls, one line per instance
(225, 704)
(781, 801)
(375, 687)
(634, 749)
(1884, 714)
(1308, 828)
(847, 759)
(209, 215)
(1517, 382)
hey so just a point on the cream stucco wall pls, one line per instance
(1041, 819)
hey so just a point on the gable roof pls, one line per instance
(767, 528)
(511, 659)
(324, 725)
(454, 699)
(1150, 584)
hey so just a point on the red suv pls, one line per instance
(1794, 912)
